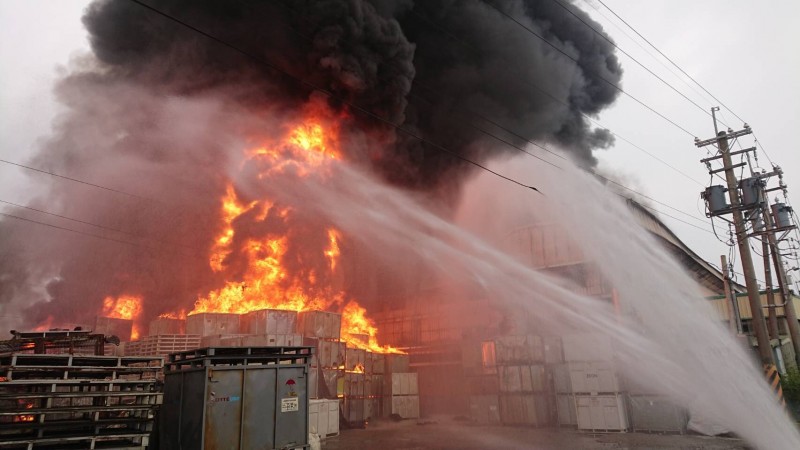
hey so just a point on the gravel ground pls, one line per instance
(445, 433)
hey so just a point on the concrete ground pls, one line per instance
(446, 433)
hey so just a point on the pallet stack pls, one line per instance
(161, 345)
(69, 401)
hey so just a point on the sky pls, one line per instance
(746, 53)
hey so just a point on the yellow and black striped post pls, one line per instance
(774, 380)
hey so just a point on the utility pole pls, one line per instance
(735, 209)
(780, 271)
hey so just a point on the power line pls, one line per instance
(96, 236)
(615, 86)
(41, 211)
(76, 180)
(670, 60)
(603, 35)
(646, 50)
(330, 94)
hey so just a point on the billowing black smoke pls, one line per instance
(163, 111)
(433, 67)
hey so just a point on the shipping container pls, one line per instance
(525, 409)
(211, 324)
(587, 347)
(518, 350)
(593, 377)
(269, 321)
(602, 412)
(405, 406)
(319, 324)
(244, 406)
(484, 409)
(525, 378)
(323, 417)
(567, 409)
(654, 413)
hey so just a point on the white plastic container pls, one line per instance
(323, 417)
(602, 412)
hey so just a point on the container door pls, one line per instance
(291, 416)
(223, 409)
(258, 430)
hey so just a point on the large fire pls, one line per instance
(124, 307)
(306, 148)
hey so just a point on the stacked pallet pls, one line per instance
(68, 401)
(161, 345)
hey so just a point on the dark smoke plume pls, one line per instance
(164, 112)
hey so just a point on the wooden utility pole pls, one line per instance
(754, 296)
(788, 306)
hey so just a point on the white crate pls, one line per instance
(602, 412)
(593, 377)
(323, 417)
(405, 384)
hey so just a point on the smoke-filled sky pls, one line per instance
(386, 57)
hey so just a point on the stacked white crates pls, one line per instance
(400, 394)
(588, 389)
(522, 381)
(327, 377)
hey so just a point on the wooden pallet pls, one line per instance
(70, 401)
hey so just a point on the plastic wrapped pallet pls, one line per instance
(656, 414)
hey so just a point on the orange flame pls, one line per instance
(354, 323)
(333, 250)
(124, 307)
(306, 147)
(231, 209)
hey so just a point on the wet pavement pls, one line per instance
(445, 433)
